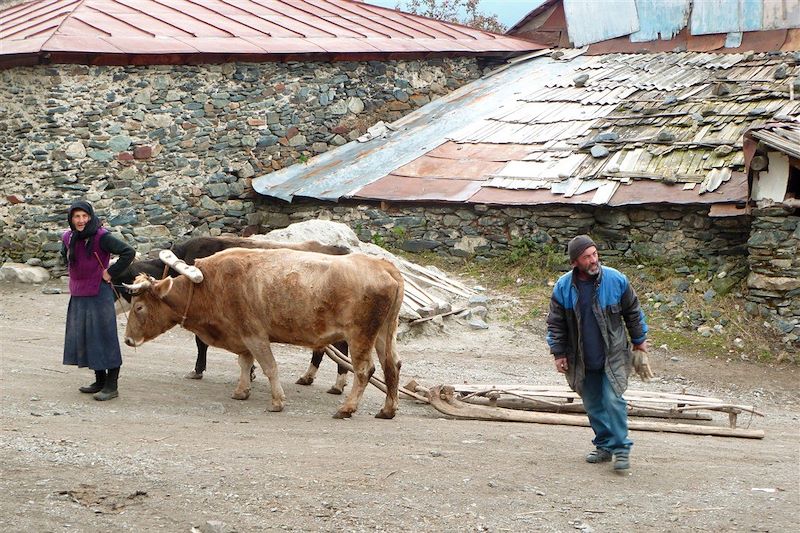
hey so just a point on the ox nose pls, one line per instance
(129, 341)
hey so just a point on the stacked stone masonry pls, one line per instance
(167, 152)
(774, 260)
(484, 231)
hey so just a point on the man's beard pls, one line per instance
(593, 270)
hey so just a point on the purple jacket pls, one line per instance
(86, 273)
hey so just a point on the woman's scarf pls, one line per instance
(89, 230)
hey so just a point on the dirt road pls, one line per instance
(172, 454)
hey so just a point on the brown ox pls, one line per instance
(249, 298)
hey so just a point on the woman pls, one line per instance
(91, 333)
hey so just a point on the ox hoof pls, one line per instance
(240, 395)
(342, 414)
(275, 408)
(387, 415)
(334, 390)
(194, 375)
(302, 380)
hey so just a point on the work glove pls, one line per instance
(641, 365)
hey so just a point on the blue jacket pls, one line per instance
(618, 313)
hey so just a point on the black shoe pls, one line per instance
(106, 394)
(110, 389)
(91, 389)
(97, 386)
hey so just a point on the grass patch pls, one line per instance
(680, 309)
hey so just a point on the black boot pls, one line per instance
(97, 386)
(110, 389)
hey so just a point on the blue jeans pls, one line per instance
(608, 413)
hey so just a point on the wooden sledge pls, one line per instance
(562, 400)
(443, 398)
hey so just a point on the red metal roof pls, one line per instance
(232, 27)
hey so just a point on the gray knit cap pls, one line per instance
(577, 246)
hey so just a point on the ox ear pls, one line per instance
(161, 288)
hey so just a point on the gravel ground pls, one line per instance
(172, 454)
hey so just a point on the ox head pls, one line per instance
(150, 315)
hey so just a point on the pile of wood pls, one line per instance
(428, 292)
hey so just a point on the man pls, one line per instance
(591, 308)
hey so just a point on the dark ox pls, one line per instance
(199, 247)
(283, 296)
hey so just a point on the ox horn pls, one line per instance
(179, 265)
(133, 288)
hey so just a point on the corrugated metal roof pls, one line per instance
(666, 128)
(633, 26)
(612, 19)
(246, 27)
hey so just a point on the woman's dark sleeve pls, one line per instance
(126, 254)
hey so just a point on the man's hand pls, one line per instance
(106, 276)
(561, 365)
(641, 364)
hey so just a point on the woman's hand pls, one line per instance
(106, 276)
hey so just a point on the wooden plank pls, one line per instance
(535, 405)
(437, 276)
(433, 283)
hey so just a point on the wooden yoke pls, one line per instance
(179, 265)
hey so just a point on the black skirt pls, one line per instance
(91, 335)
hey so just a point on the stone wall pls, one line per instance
(774, 280)
(670, 233)
(166, 152)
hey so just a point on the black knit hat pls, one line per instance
(578, 245)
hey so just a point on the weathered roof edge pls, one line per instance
(786, 140)
(434, 121)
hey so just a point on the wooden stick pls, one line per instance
(443, 399)
(343, 360)
(426, 318)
